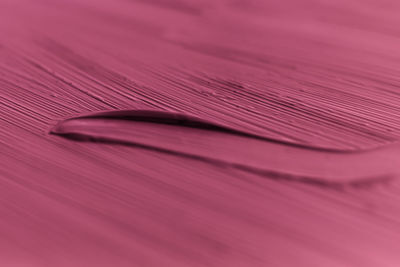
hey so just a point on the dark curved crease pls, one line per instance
(183, 120)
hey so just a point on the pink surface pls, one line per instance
(230, 133)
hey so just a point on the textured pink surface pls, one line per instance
(302, 169)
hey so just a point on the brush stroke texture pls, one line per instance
(310, 73)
